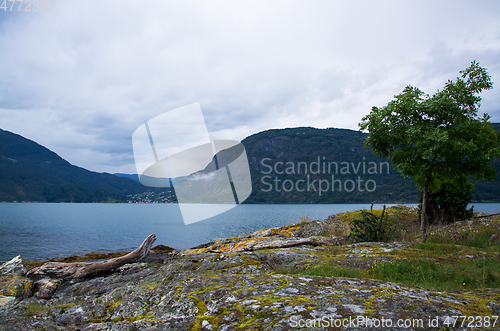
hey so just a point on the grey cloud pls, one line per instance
(82, 78)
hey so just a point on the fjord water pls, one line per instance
(42, 230)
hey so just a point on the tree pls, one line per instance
(449, 203)
(437, 140)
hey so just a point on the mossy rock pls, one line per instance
(16, 286)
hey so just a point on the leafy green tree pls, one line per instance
(437, 139)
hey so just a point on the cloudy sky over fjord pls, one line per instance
(79, 79)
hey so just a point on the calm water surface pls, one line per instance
(40, 230)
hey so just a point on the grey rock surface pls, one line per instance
(238, 291)
(13, 267)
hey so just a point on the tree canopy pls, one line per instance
(437, 140)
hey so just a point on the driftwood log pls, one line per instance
(317, 241)
(86, 269)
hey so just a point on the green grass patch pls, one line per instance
(33, 309)
(439, 248)
(445, 262)
(433, 266)
(467, 274)
(401, 223)
(479, 239)
(473, 233)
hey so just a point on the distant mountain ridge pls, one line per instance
(341, 146)
(333, 157)
(301, 165)
(31, 172)
(293, 165)
(134, 177)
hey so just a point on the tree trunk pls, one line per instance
(85, 269)
(423, 225)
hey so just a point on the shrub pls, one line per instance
(370, 227)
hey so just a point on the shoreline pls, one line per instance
(248, 282)
(99, 255)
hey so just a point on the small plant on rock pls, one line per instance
(370, 227)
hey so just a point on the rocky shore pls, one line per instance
(249, 282)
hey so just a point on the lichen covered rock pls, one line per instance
(5, 300)
(285, 236)
(13, 267)
(44, 288)
(234, 291)
(16, 286)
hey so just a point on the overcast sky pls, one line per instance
(79, 79)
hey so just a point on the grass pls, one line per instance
(336, 229)
(33, 309)
(479, 239)
(439, 248)
(326, 270)
(443, 263)
(301, 220)
(467, 274)
(428, 274)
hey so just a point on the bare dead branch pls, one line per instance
(86, 269)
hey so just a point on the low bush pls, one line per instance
(370, 227)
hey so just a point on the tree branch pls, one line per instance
(85, 269)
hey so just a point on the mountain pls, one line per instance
(134, 177)
(489, 191)
(31, 172)
(315, 155)
(145, 179)
(301, 165)
(295, 165)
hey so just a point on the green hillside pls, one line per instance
(344, 148)
(31, 172)
(362, 176)
(489, 191)
(296, 165)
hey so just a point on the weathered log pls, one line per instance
(271, 242)
(86, 269)
(313, 241)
